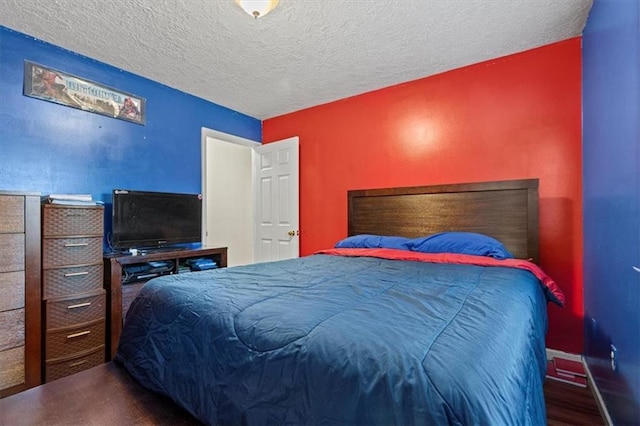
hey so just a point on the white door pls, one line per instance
(276, 200)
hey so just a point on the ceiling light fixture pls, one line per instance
(257, 8)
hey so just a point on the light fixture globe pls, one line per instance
(257, 8)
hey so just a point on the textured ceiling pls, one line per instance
(304, 53)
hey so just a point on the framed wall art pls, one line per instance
(51, 85)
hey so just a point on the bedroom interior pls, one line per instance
(563, 111)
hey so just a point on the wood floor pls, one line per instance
(570, 405)
(107, 395)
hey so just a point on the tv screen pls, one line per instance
(144, 219)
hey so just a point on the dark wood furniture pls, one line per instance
(74, 302)
(121, 294)
(20, 315)
(107, 394)
(504, 210)
(102, 395)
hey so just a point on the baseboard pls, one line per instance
(598, 396)
(552, 353)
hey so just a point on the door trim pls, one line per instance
(226, 137)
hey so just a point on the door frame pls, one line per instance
(226, 137)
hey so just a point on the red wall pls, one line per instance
(514, 117)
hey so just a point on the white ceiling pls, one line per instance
(304, 53)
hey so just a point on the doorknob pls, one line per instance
(291, 233)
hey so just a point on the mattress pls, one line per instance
(329, 339)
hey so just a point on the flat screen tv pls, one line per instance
(148, 220)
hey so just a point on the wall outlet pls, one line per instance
(614, 358)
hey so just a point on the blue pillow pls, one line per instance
(461, 243)
(373, 241)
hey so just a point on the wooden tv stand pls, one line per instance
(120, 296)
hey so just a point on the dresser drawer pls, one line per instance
(13, 252)
(12, 290)
(67, 312)
(71, 251)
(64, 367)
(12, 214)
(66, 342)
(70, 221)
(67, 281)
(13, 367)
(13, 329)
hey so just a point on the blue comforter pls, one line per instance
(336, 340)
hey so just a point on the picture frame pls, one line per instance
(48, 84)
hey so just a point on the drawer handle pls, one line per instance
(79, 305)
(76, 244)
(82, 333)
(76, 274)
(76, 364)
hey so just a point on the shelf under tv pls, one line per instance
(120, 298)
(164, 249)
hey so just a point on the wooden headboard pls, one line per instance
(504, 210)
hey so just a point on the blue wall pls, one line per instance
(611, 155)
(46, 147)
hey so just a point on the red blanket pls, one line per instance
(556, 295)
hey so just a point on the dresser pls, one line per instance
(20, 315)
(73, 300)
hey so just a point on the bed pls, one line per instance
(365, 333)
